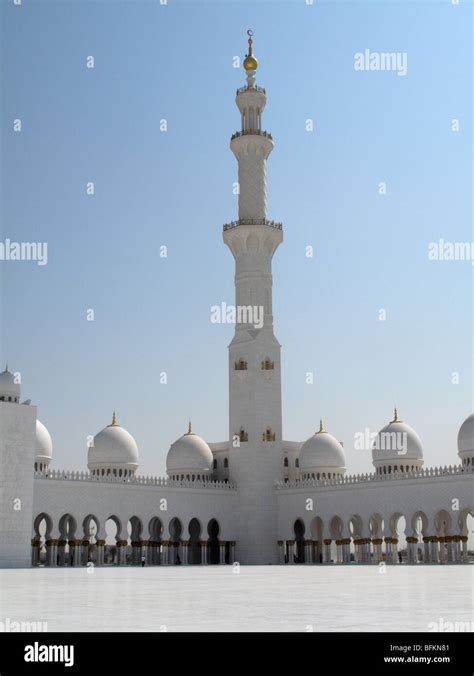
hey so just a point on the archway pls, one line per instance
(213, 542)
(194, 545)
(176, 529)
(398, 526)
(299, 529)
(155, 529)
(317, 527)
(66, 545)
(134, 548)
(90, 527)
(419, 526)
(42, 526)
(113, 529)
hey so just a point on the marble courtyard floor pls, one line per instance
(258, 598)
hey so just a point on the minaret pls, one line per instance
(254, 354)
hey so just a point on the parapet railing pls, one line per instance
(252, 132)
(429, 472)
(254, 88)
(253, 221)
(164, 482)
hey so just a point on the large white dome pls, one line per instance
(466, 437)
(189, 455)
(114, 451)
(44, 446)
(398, 445)
(9, 389)
(322, 454)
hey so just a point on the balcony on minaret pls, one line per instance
(268, 435)
(240, 365)
(267, 365)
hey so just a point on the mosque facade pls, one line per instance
(253, 498)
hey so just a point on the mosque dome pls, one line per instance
(466, 441)
(9, 389)
(114, 452)
(322, 456)
(44, 447)
(189, 458)
(397, 447)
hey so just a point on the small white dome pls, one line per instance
(44, 446)
(113, 449)
(190, 454)
(322, 453)
(397, 443)
(9, 388)
(466, 437)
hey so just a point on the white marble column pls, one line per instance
(308, 552)
(222, 552)
(291, 551)
(204, 552)
(327, 551)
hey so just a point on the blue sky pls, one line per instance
(152, 315)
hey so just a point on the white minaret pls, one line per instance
(255, 430)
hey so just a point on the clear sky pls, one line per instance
(175, 189)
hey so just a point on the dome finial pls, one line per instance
(395, 415)
(321, 426)
(190, 430)
(250, 62)
(6, 367)
(114, 420)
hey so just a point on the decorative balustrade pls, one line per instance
(427, 473)
(254, 88)
(252, 132)
(164, 482)
(253, 221)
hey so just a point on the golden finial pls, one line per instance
(114, 420)
(395, 416)
(250, 62)
(321, 427)
(190, 431)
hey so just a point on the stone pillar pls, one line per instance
(388, 550)
(232, 552)
(308, 552)
(75, 550)
(456, 549)
(35, 551)
(291, 551)
(434, 556)
(465, 556)
(84, 552)
(185, 547)
(411, 549)
(327, 550)
(449, 539)
(51, 552)
(136, 553)
(204, 550)
(100, 552)
(61, 552)
(426, 547)
(281, 553)
(442, 549)
(377, 545)
(122, 552)
(222, 552)
(165, 552)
